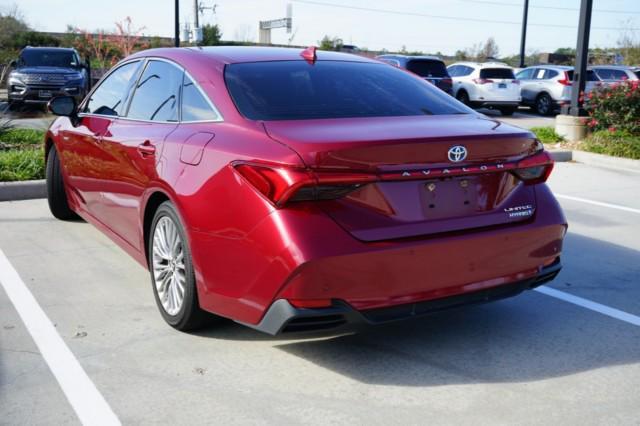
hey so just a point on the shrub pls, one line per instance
(615, 143)
(21, 164)
(17, 137)
(547, 134)
(615, 108)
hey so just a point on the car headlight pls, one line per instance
(16, 76)
(73, 76)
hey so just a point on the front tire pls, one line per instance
(56, 192)
(544, 104)
(172, 274)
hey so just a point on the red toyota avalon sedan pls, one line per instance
(294, 191)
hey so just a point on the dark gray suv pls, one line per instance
(41, 73)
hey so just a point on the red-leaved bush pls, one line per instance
(615, 108)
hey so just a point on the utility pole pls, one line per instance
(177, 24)
(582, 59)
(523, 37)
(196, 12)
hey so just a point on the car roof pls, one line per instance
(67, 49)
(426, 57)
(483, 64)
(617, 67)
(557, 67)
(240, 54)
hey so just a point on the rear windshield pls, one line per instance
(46, 58)
(591, 76)
(297, 90)
(427, 68)
(497, 73)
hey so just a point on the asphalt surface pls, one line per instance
(533, 359)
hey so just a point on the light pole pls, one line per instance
(176, 36)
(582, 60)
(523, 37)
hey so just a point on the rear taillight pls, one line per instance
(534, 169)
(447, 81)
(515, 82)
(282, 184)
(566, 81)
(482, 81)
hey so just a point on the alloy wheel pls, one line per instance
(169, 273)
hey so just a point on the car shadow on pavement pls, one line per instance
(529, 337)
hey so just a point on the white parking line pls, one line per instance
(588, 304)
(598, 203)
(86, 400)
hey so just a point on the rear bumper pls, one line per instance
(283, 318)
(496, 104)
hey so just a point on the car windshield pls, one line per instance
(427, 68)
(46, 58)
(298, 90)
(497, 73)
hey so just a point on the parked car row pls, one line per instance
(545, 88)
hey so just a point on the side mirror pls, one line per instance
(63, 105)
(13, 64)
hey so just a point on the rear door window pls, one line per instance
(427, 68)
(157, 93)
(110, 97)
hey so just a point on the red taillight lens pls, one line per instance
(482, 80)
(516, 82)
(566, 81)
(284, 184)
(534, 169)
(447, 81)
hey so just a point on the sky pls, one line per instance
(424, 25)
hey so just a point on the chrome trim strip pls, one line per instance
(146, 60)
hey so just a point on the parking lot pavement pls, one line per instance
(524, 118)
(528, 360)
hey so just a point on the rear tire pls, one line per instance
(544, 104)
(56, 192)
(463, 97)
(172, 274)
(507, 111)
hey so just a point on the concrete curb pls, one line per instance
(561, 155)
(27, 190)
(606, 161)
(599, 160)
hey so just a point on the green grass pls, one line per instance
(21, 164)
(547, 134)
(18, 137)
(616, 144)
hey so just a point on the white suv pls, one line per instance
(489, 84)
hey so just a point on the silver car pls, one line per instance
(547, 87)
(616, 73)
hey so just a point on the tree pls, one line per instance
(629, 47)
(460, 55)
(489, 50)
(127, 38)
(330, 43)
(211, 35)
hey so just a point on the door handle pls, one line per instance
(146, 148)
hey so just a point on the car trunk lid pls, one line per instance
(418, 189)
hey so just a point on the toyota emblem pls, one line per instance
(457, 153)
